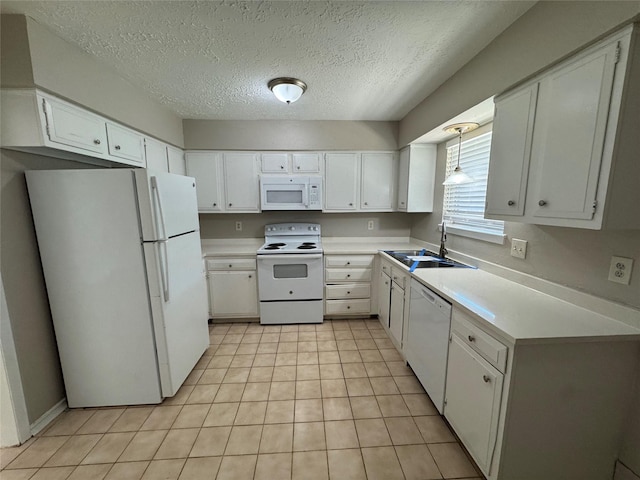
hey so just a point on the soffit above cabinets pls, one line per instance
(362, 60)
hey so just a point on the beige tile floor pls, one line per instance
(329, 401)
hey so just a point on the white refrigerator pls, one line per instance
(121, 256)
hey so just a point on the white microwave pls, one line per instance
(291, 192)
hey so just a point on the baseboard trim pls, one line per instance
(48, 417)
(623, 473)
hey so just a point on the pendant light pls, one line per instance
(458, 177)
(286, 89)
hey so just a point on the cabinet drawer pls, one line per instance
(348, 307)
(364, 261)
(231, 263)
(347, 275)
(399, 276)
(483, 343)
(386, 268)
(362, 290)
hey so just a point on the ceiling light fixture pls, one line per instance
(458, 177)
(286, 89)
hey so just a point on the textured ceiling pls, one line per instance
(362, 60)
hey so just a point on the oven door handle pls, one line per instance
(290, 256)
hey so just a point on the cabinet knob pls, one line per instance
(298, 167)
(486, 378)
(348, 263)
(542, 203)
(348, 307)
(215, 204)
(230, 266)
(348, 293)
(366, 203)
(511, 203)
(250, 276)
(471, 338)
(230, 204)
(351, 204)
(117, 147)
(281, 167)
(97, 141)
(348, 275)
(290, 292)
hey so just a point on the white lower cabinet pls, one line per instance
(474, 391)
(233, 287)
(538, 409)
(392, 301)
(348, 285)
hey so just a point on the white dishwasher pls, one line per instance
(427, 342)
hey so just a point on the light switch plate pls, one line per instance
(518, 248)
(620, 270)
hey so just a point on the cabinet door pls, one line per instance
(274, 162)
(396, 313)
(384, 298)
(241, 182)
(72, 126)
(472, 405)
(511, 152)
(306, 163)
(156, 155)
(341, 181)
(571, 118)
(125, 144)
(403, 180)
(378, 179)
(233, 293)
(175, 158)
(206, 168)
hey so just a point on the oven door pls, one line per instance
(290, 277)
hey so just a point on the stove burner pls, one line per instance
(272, 247)
(308, 243)
(307, 246)
(276, 245)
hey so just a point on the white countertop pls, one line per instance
(518, 313)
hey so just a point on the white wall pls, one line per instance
(289, 135)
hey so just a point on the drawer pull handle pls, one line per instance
(230, 204)
(249, 276)
(298, 167)
(281, 167)
(348, 293)
(351, 204)
(348, 307)
(290, 292)
(542, 203)
(97, 141)
(511, 203)
(230, 266)
(215, 204)
(486, 379)
(471, 338)
(348, 275)
(348, 263)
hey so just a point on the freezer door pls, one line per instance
(179, 306)
(168, 204)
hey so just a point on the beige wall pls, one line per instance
(24, 286)
(67, 71)
(219, 225)
(548, 32)
(289, 135)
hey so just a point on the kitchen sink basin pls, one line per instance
(406, 257)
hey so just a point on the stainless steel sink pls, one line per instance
(403, 256)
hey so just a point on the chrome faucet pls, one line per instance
(443, 239)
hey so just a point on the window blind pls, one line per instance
(464, 204)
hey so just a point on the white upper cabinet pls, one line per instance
(416, 178)
(308, 162)
(377, 181)
(341, 181)
(70, 125)
(126, 144)
(175, 159)
(290, 162)
(206, 168)
(511, 152)
(562, 150)
(241, 182)
(156, 155)
(274, 162)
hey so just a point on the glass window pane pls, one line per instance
(290, 271)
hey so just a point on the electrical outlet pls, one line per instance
(620, 270)
(518, 248)
(238, 226)
(370, 225)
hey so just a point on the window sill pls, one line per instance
(461, 231)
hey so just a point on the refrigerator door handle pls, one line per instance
(164, 268)
(156, 190)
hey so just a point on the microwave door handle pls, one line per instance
(305, 195)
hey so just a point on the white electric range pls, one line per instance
(290, 274)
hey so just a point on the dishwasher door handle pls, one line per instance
(428, 296)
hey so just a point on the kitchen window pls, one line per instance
(463, 208)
